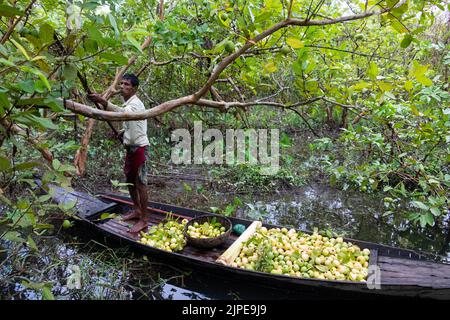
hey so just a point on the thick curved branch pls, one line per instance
(170, 105)
(126, 116)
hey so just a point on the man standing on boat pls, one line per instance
(136, 144)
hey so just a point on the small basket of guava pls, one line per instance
(207, 231)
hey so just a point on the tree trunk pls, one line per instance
(330, 120)
(344, 123)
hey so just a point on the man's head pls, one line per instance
(129, 85)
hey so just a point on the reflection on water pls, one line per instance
(345, 213)
(171, 292)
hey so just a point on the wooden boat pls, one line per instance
(395, 272)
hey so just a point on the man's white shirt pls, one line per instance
(135, 131)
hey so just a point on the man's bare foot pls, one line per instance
(131, 215)
(140, 225)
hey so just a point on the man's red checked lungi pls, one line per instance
(135, 163)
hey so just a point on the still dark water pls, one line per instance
(111, 272)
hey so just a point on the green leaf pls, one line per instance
(8, 11)
(23, 204)
(27, 165)
(13, 236)
(32, 285)
(108, 216)
(295, 43)
(418, 71)
(118, 58)
(224, 23)
(229, 210)
(39, 74)
(311, 85)
(43, 226)
(43, 79)
(69, 72)
(44, 198)
(31, 101)
(361, 85)
(264, 16)
(90, 45)
(26, 85)
(56, 164)
(408, 85)
(187, 187)
(385, 86)
(420, 205)
(7, 62)
(95, 34)
(4, 164)
(31, 244)
(133, 41)
(321, 268)
(372, 72)
(46, 33)
(429, 218)
(47, 294)
(398, 26)
(333, 179)
(435, 211)
(22, 49)
(414, 110)
(424, 80)
(66, 206)
(422, 221)
(4, 102)
(270, 67)
(42, 122)
(285, 141)
(113, 22)
(55, 105)
(37, 58)
(406, 41)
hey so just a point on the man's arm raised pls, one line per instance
(95, 97)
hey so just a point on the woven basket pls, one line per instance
(207, 243)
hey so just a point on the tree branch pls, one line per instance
(14, 24)
(35, 143)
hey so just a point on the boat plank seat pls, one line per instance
(417, 272)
